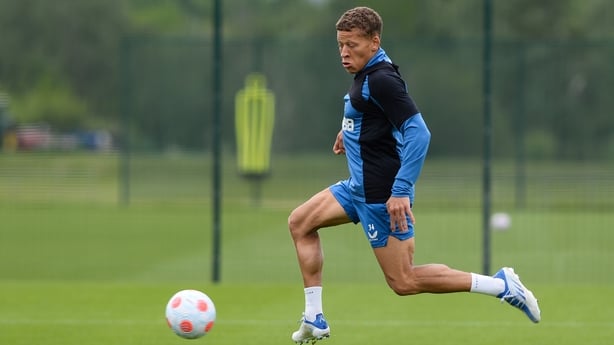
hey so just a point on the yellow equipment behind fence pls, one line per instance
(254, 120)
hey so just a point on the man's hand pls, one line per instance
(399, 209)
(338, 147)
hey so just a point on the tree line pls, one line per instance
(60, 61)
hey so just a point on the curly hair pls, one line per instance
(362, 18)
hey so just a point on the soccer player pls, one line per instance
(385, 141)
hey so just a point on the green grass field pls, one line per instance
(76, 268)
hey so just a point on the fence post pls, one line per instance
(217, 145)
(3, 118)
(486, 178)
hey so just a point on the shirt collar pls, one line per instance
(379, 56)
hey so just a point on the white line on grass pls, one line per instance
(361, 323)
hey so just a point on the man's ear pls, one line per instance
(375, 43)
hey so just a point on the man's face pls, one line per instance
(356, 49)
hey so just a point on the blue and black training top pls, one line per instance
(384, 135)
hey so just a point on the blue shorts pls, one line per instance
(374, 217)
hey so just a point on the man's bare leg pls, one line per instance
(396, 261)
(322, 210)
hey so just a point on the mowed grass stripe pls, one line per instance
(379, 323)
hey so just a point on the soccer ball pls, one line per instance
(190, 314)
(500, 221)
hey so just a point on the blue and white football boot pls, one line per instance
(311, 331)
(517, 294)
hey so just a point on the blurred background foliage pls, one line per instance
(71, 64)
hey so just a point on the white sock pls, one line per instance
(313, 302)
(486, 285)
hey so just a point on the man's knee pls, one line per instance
(403, 285)
(413, 281)
(297, 223)
(293, 221)
(404, 288)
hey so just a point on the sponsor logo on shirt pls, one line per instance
(347, 124)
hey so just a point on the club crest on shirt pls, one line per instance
(371, 232)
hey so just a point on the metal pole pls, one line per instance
(217, 128)
(4, 104)
(487, 64)
(521, 184)
(125, 109)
